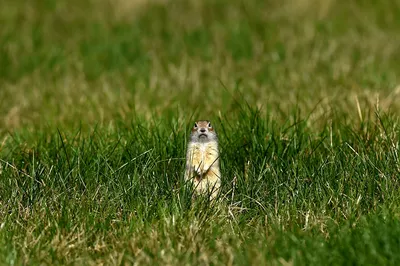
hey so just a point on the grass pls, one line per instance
(97, 99)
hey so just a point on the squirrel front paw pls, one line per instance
(206, 168)
(198, 170)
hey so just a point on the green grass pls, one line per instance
(97, 99)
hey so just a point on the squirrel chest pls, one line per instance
(202, 153)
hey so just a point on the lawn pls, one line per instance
(97, 99)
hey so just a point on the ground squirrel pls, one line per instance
(202, 159)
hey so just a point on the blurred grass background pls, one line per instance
(95, 61)
(97, 97)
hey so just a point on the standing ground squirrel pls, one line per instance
(202, 159)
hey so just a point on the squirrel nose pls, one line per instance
(203, 130)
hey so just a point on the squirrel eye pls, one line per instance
(195, 124)
(209, 124)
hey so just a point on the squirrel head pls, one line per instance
(202, 131)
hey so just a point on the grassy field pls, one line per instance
(97, 98)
